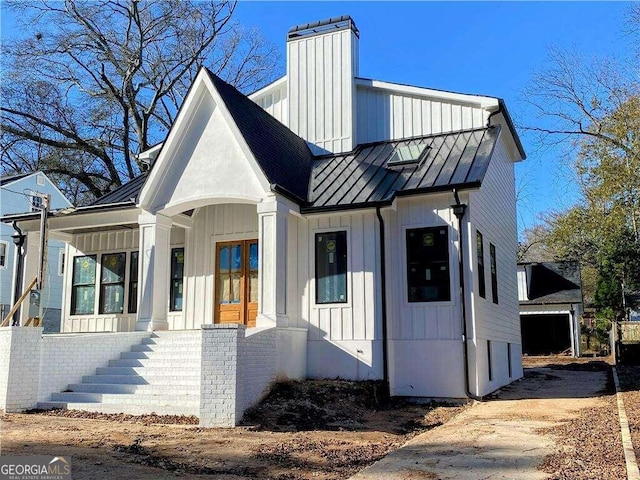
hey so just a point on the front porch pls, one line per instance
(129, 270)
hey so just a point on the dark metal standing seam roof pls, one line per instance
(127, 192)
(364, 177)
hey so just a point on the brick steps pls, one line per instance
(160, 375)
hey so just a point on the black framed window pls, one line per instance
(177, 279)
(494, 272)
(482, 289)
(132, 306)
(509, 360)
(331, 267)
(489, 360)
(83, 289)
(4, 249)
(428, 276)
(112, 282)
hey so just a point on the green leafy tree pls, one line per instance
(87, 85)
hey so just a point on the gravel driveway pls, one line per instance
(559, 422)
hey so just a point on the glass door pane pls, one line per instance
(252, 272)
(236, 273)
(224, 278)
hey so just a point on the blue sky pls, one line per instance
(490, 48)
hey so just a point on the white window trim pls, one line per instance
(184, 280)
(6, 255)
(312, 271)
(453, 275)
(61, 260)
(96, 305)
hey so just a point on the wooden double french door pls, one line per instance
(236, 282)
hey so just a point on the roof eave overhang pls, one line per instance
(55, 217)
(384, 203)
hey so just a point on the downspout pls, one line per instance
(383, 293)
(18, 239)
(459, 210)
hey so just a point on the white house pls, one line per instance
(325, 226)
(18, 194)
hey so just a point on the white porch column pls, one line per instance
(153, 276)
(272, 269)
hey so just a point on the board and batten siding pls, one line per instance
(425, 338)
(386, 115)
(273, 99)
(344, 339)
(492, 211)
(321, 73)
(116, 241)
(211, 224)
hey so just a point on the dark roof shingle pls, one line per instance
(6, 179)
(552, 283)
(283, 156)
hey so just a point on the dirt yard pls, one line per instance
(311, 430)
(331, 430)
(588, 444)
(629, 377)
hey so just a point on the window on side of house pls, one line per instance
(83, 291)
(4, 251)
(494, 272)
(489, 360)
(112, 282)
(61, 258)
(36, 203)
(509, 360)
(331, 267)
(132, 306)
(482, 289)
(177, 279)
(428, 276)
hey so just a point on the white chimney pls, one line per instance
(322, 64)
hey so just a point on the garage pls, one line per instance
(550, 298)
(545, 334)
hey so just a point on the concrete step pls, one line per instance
(172, 341)
(151, 362)
(133, 388)
(103, 387)
(126, 398)
(153, 370)
(169, 354)
(130, 409)
(163, 347)
(147, 380)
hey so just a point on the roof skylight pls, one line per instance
(407, 154)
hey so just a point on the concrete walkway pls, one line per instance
(498, 439)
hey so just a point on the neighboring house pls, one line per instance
(16, 196)
(550, 295)
(326, 211)
(632, 302)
